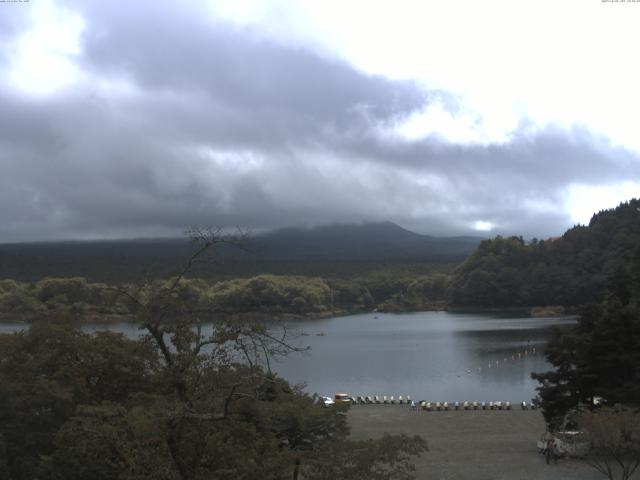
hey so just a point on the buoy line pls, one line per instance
(520, 355)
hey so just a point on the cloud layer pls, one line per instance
(173, 118)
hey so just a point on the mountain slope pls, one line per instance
(365, 242)
(572, 270)
(291, 250)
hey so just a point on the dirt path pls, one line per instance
(471, 445)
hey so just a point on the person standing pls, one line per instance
(555, 453)
(548, 452)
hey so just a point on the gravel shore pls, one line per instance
(470, 445)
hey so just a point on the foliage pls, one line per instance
(423, 293)
(613, 435)
(47, 371)
(571, 270)
(73, 296)
(263, 294)
(599, 357)
(270, 293)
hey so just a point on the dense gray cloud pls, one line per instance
(182, 119)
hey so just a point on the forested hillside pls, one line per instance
(342, 251)
(571, 270)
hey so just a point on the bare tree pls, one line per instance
(613, 434)
(191, 331)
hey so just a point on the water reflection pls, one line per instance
(431, 355)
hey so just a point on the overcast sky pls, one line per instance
(124, 119)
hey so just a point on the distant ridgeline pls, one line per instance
(571, 270)
(330, 251)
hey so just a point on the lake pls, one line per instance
(437, 356)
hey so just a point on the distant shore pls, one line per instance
(525, 312)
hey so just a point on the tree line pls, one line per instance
(267, 295)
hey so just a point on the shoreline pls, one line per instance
(524, 312)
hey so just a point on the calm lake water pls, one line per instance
(437, 356)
